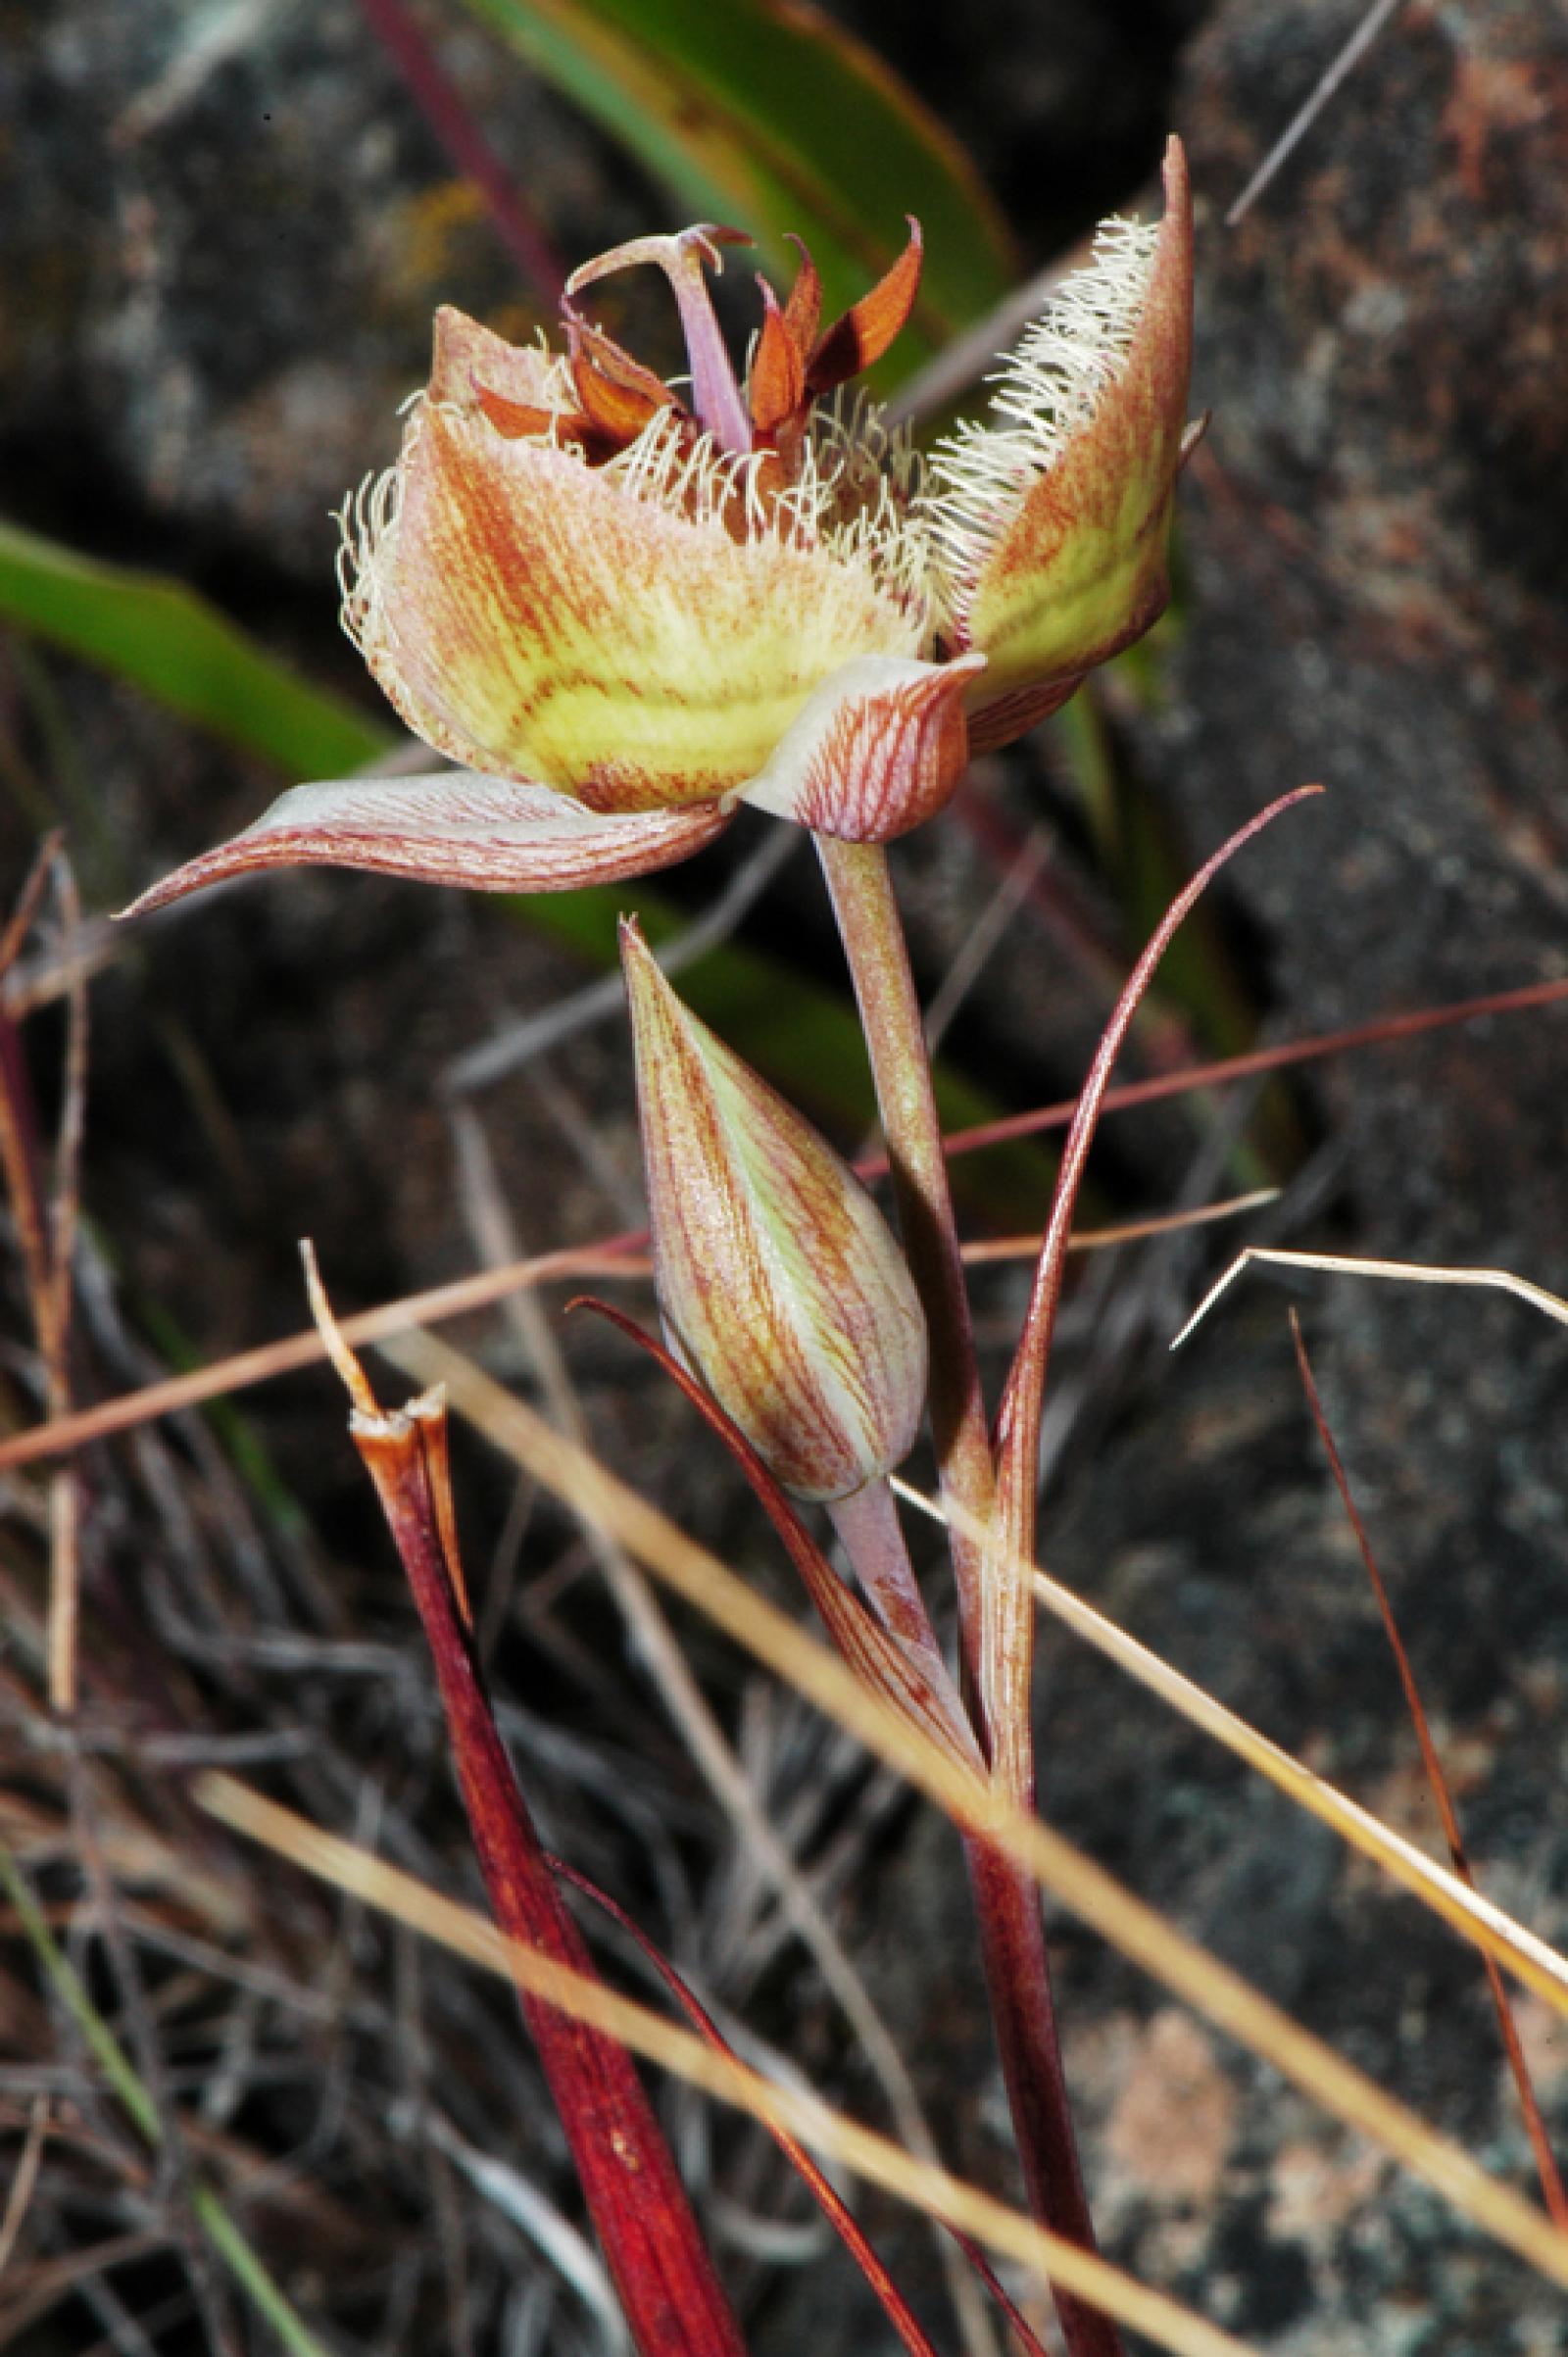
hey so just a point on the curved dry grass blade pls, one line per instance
(618, 1256)
(1552, 2184)
(1301, 122)
(1137, 1930)
(1345, 1264)
(18, 924)
(45, 1189)
(1382, 1031)
(292, 1351)
(1126, 1231)
(875, 2158)
(1476, 1918)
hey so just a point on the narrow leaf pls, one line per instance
(164, 638)
(1007, 1647)
(663, 2274)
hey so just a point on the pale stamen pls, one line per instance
(717, 398)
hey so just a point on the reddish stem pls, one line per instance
(872, 1536)
(1018, 1970)
(675, 2303)
(466, 143)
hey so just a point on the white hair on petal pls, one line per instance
(1048, 387)
(366, 522)
(694, 479)
(854, 494)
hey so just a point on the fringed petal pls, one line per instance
(486, 834)
(879, 748)
(1054, 521)
(601, 631)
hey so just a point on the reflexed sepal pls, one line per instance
(488, 834)
(876, 750)
(779, 1282)
(1053, 519)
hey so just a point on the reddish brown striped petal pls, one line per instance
(483, 833)
(531, 616)
(876, 751)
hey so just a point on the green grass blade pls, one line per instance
(166, 639)
(107, 2052)
(769, 116)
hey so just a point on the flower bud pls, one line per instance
(779, 1281)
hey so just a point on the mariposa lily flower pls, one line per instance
(619, 607)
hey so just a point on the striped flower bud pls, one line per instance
(779, 1281)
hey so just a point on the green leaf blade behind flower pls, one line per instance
(771, 117)
(165, 638)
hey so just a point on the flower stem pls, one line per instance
(1023, 2013)
(1006, 1902)
(872, 934)
(872, 1536)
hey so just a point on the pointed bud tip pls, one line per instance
(1173, 171)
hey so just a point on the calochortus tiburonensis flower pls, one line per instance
(619, 607)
